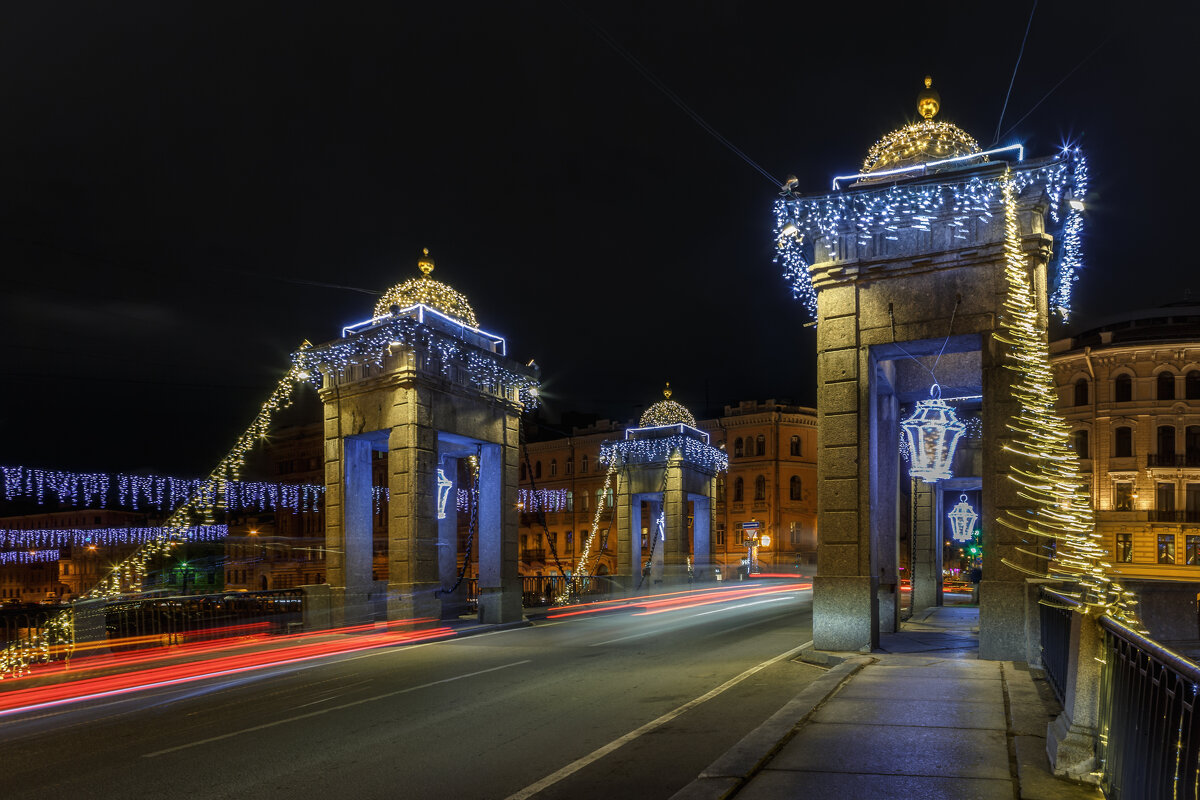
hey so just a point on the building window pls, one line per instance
(553, 467)
(583, 463)
(1192, 551)
(721, 488)
(1123, 442)
(570, 466)
(1166, 548)
(721, 534)
(523, 471)
(569, 542)
(537, 469)
(738, 490)
(794, 488)
(1166, 385)
(608, 496)
(760, 445)
(1123, 496)
(737, 447)
(570, 500)
(1191, 445)
(1191, 494)
(1122, 389)
(1191, 385)
(795, 450)
(1166, 442)
(760, 488)
(1081, 444)
(1164, 496)
(1081, 392)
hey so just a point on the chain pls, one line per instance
(473, 524)
(541, 513)
(658, 533)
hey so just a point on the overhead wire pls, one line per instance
(1013, 79)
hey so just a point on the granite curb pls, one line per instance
(738, 764)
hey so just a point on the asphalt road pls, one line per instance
(621, 705)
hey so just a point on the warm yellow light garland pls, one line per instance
(1046, 468)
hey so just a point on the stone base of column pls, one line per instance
(317, 611)
(413, 601)
(1072, 750)
(1002, 627)
(350, 606)
(845, 613)
(888, 611)
(926, 593)
(454, 604)
(499, 605)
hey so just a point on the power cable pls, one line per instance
(1074, 69)
(1013, 79)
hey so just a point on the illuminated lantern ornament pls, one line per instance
(443, 489)
(962, 520)
(932, 434)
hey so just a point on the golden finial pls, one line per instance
(425, 264)
(928, 100)
(667, 391)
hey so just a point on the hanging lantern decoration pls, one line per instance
(962, 520)
(932, 434)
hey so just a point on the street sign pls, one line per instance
(752, 525)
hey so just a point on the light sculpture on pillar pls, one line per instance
(443, 487)
(962, 520)
(932, 434)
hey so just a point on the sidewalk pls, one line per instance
(921, 716)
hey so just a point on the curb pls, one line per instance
(725, 776)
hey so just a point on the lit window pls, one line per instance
(1166, 548)
(1125, 548)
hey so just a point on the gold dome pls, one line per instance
(427, 291)
(920, 142)
(666, 412)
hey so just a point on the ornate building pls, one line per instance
(1130, 389)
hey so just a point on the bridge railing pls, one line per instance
(541, 591)
(1129, 718)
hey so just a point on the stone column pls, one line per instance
(1071, 738)
(927, 567)
(702, 525)
(675, 548)
(499, 577)
(845, 612)
(629, 537)
(656, 546)
(884, 507)
(412, 525)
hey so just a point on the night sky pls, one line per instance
(190, 190)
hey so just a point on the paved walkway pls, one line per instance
(920, 717)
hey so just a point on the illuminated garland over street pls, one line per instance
(549, 500)
(865, 213)
(650, 451)
(1046, 468)
(84, 537)
(437, 352)
(28, 557)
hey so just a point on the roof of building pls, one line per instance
(1172, 322)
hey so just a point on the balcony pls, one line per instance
(530, 555)
(1172, 460)
(1178, 517)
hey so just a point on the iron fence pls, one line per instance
(24, 621)
(1148, 743)
(160, 621)
(1056, 639)
(541, 591)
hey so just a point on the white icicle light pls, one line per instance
(932, 433)
(962, 520)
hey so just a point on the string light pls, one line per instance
(1046, 467)
(706, 458)
(667, 412)
(841, 220)
(81, 537)
(429, 292)
(29, 557)
(962, 520)
(917, 140)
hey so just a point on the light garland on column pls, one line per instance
(581, 566)
(864, 214)
(1046, 468)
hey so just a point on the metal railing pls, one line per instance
(1184, 517)
(1173, 459)
(1056, 639)
(1148, 744)
(541, 591)
(23, 621)
(161, 621)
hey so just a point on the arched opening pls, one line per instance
(760, 488)
(1081, 444)
(1122, 389)
(1123, 442)
(1081, 392)
(737, 447)
(795, 446)
(1166, 385)
(760, 445)
(1166, 443)
(795, 488)
(738, 490)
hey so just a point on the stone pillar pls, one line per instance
(412, 525)
(845, 611)
(352, 536)
(675, 548)
(629, 538)
(499, 577)
(702, 525)
(927, 566)
(1071, 738)
(884, 507)
(454, 604)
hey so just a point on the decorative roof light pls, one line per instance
(932, 434)
(962, 520)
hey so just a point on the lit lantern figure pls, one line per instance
(962, 520)
(932, 434)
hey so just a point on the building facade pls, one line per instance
(1130, 390)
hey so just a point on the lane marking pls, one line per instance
(658, 631)
(596, 755)
(311, 714)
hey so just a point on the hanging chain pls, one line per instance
(541, 513)
(473, 524)
(654, 540)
